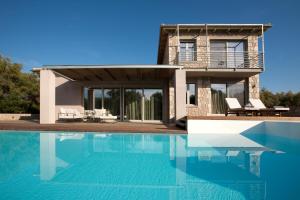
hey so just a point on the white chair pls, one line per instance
(257, 103)
(69, 113)
(103, 114)
(234, 107)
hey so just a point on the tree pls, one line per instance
(19, 92)
(289, 99)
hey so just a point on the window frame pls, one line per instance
(188, 103)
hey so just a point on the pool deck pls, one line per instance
(119, 127)
(126, 127)
(249, 118)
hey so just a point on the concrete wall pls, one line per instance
(47, 97)
(180, 94)
(69, 94)
(23, 116)
(220, 126)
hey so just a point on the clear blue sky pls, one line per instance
(36, 32)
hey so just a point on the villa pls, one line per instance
(198, 66)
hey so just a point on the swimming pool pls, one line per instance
(261, 163)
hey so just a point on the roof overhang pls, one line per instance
(112, 72)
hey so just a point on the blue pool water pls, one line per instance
(261, 163)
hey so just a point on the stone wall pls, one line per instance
(253, 87)
(203, 106)
(171, 101)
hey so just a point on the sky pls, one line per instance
(39, 32)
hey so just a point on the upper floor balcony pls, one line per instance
(221, 59)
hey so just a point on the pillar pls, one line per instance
(180, 94)
(47, 97)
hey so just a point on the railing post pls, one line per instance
(263, 46)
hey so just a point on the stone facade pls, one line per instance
(253, 87)
(203, 104)
(171, 101)
(202, 47)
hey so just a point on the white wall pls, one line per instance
(219, 126)
(47, 97)
(69, 94)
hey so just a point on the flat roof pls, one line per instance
(219, 26)
(107, 67)
(112, 72)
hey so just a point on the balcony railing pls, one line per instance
(222, 59)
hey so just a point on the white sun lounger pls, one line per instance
(257, 103)
(234, 107)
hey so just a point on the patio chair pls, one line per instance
(234, 107)
(277, 110)
(103, 115)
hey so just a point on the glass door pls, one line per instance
(153, 104)
(133, 104)
(111, 99)
(98, 103)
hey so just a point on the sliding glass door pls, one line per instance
(98, 94)
(153, 104)
(143, 104)
(128, 104)
(111, 99)
(133, 104)
(227, 54)
(220, 91)
(218, 95)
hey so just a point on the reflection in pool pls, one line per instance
(125, 166)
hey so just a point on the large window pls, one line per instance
(108, 99)
(98, 101)
(220, 91)
(153, 104)
(143, 104)
(191, 94)
(227, 54)
(133, 104)
(111, 99)
(187, 51)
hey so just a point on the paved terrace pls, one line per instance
(254, 118)
(119, 127)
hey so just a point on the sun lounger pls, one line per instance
(257, 103)
(234, 107)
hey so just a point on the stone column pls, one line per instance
(180, 94)
(47, 97)
(253, 87)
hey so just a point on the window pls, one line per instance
(98, 94)
(220, 91)
(108, 99)
(111, 99)
(227, 54)
(191, 94)
(187, 51)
